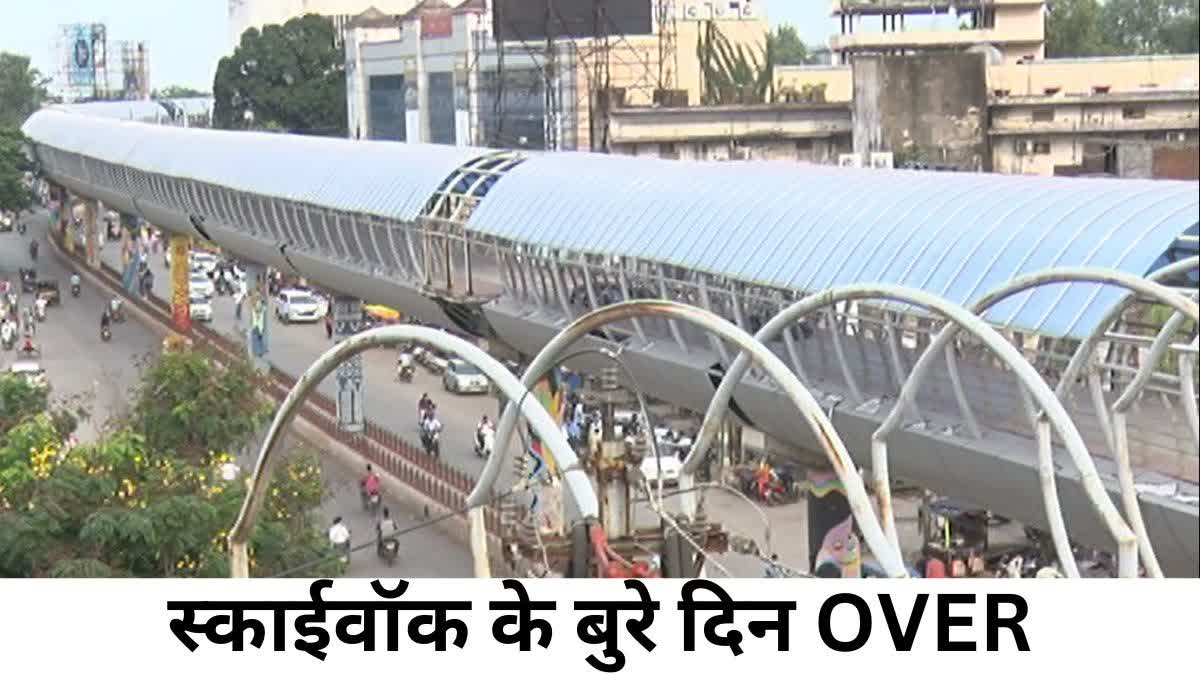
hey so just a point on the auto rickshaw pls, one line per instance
(956, 534)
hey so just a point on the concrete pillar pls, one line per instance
(255, 312)
(181, 317)
(347, 316)
(66, 219)
(91, 247)
(834, 549)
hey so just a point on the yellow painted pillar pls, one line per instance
(89, 219)
(181, 316)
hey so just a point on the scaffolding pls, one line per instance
(135, 70)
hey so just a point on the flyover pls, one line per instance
(514, 246)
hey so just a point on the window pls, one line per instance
(1001, 93)
(1101, 89)
(1052, 91)
(1041, 148)
(1134, 112)
(1043, 114)
(668, 151)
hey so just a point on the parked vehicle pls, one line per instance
(461, 377)
(203, 261)
(28, 280)
(31, 371)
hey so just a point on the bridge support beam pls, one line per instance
(347, 316)
(181, 318)
(91, 233)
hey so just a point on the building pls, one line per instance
(247, 14)
(806, 132)
(1014, 29)
(1124, 116)
(436, 74)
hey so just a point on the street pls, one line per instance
(78, 363)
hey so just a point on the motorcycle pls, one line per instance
(432, 442)
(343, 549)
(75, 290)
(404, 368)
(117, 311)
(371, 502)
(106, 333)
(33, 250)
(389, 550)
(483, 445)
(9, 341)
(21, 229)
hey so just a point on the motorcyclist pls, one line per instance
(423, 407)
(7, 332)
(387, 528)
(105, 320)
(75, 282)
(39, 306)
(369, 485)
(114, 307)
(33, 249)
(485, 437)
(430, 427)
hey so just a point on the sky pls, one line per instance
(186, 38)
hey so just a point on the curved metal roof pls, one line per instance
(381, 178)
(775, 223)
(812, 227)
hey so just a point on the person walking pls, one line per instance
(328, 326)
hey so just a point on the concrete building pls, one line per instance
(416, 76)
(1014, 29)
(807, 132)
(246, 14)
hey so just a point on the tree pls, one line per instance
(177, 91)
(123, 507)
(788, 48)
(1152, 26)
(734, 76)
(187, 404)
(289, 77)
(14, 195)
(22, 89)
(1074, 28)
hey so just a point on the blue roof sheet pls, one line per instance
(809, 227)
(782, 224)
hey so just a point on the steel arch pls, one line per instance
(577, 481)
(957, 315)
(1090, 478)
(888, 555)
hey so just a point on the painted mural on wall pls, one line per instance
(834, 547)
(546, 503)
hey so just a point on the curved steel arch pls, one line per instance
(577, 481)
(955, 314)
(1090, 478)
(889, 556)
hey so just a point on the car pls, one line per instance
(671, 467)
(292, 306)
(461, 377)
(203, 261)
(31, 371)
(200, 284)
(200, 308)
(48, 289)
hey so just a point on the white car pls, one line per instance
(31, 371)
(203, 261)
(200, 308)
(671, 467)
(200, 284)
(461, 377)
(293, 306)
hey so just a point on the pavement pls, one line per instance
(78, 363)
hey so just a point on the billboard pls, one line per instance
(539, 20)
(81, 63)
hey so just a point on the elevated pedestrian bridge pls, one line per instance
(513, 246)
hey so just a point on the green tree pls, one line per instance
(187, 404)
(123, 507)
(289, 77)
(178, 91)
(1074, 28)
(22, 89)
(788, 48)
(14, 196)
(734, 76)
(1152, 26)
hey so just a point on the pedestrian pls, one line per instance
(328, 327)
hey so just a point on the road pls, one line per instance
(79, 364)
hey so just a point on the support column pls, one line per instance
(91, 235)
(834, 549)
(181, 318)
(129, 253)
(255, 309)
(347, 316)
